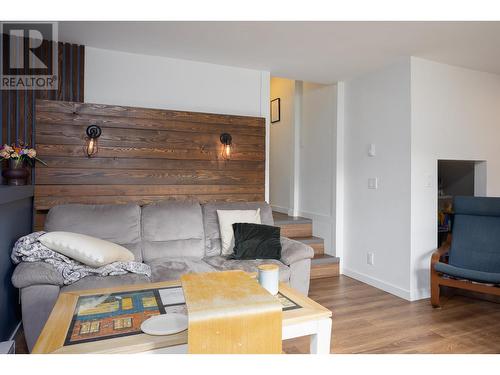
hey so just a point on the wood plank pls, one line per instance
(45, 203)
(64, 176)
(74, 70)
(146, 113)
(68, 94)
(319, 248)
(81, 78)
(56, 118)
(60, 83)
(114, 190)
(160, 164)
(118, 137)
(147, 153)
(296, 230)
(39, 220)
(22, 117)
(324, 270)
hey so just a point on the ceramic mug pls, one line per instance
(268, 276)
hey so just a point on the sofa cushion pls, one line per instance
(172, 229)
(211, 221)
(482, 277)
(98, 282)
(166, 269)
(88, 250)
(222, 263)
(120, 224)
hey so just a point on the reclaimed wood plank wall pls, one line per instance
(145, 155)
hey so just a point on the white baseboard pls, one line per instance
(377, 283)
(315, 216)
(419, 294)
(283, 210)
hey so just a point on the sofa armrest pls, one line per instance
(36, 273)
(293, 251)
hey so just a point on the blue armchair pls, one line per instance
(470, 258)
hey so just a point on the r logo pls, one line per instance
(35, 40)
(29, 56)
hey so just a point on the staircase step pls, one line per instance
(324, 265)
(280, 219)
(325, 259)
(293, 226)
(296, 230)
(318, 244)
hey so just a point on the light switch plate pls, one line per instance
(370, 258)
(372, 151)
(373, 183)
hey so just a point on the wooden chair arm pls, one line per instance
(443, 250)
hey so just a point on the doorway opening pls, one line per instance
(457, 178)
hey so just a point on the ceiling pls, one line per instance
(322, 52)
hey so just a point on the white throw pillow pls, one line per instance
(85, 249)
(226, 220)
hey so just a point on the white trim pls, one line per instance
(377, 283)
(422, 293)
(283, 210)
(295, 151)
(14, 333)
(265, 95)
(339, 173)
(176, 349)
(316, 216)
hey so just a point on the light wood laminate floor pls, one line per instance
(368, 320)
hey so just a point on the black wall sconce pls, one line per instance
(226, 140)
(93, 133)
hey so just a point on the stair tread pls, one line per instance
(283, 219)
(324, 259)
(309, 240)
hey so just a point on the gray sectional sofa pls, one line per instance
(173, 237)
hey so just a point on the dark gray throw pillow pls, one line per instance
(256, 241)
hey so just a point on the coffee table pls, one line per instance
(301, 317)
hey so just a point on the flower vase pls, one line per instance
(16, 174)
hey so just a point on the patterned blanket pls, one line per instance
(29, 249)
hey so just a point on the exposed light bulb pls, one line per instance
(91, 147)
(226, 152)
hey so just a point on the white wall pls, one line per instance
(120, 78)
(377, 110)
(281, 153)
(455, 115)
(317, 164)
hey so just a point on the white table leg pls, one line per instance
(320, 341)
